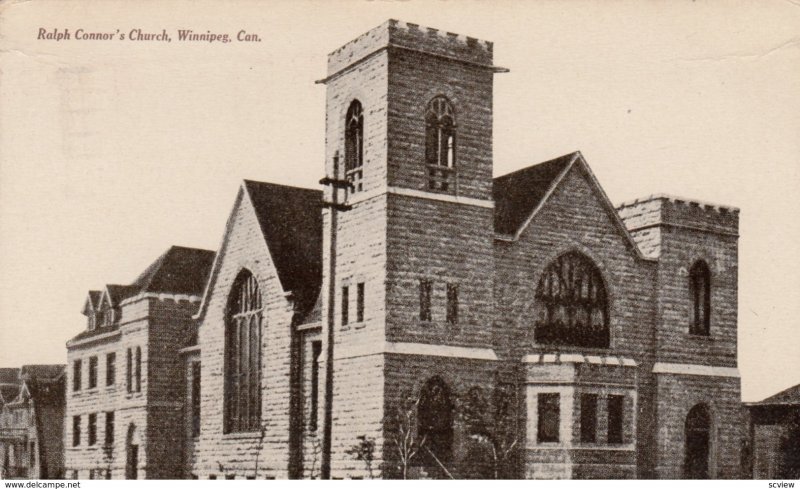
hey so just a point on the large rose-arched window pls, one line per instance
(571, 304)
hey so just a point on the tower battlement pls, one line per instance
(407, 35)
(664, 209)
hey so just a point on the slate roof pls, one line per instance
(94, 297)
(9, 376)
(42, 372)
(517, 194)
(291, 221)
(179, 270)
(787, 396)
(118, 293)
(8, 393)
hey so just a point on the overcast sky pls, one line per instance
(112, 151)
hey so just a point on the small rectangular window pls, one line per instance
(212, 477)
(230, 477)
(92, 429)
(588, 418)
(452, 303)
(425, 287)
(109, 428)
(76, 431)
(616, 406)
(345, 305)
(111, 368)
(549, 411)
(92, 372)
(360, 302)
(76, 375)
(129, 370)
(316, 352)
(138, 369)
(196, 399)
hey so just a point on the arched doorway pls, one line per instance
(132, 453)
(435, 414)
(698, 443)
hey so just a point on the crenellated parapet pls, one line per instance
(406, 35)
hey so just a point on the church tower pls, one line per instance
(408, 227)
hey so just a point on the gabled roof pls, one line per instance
(9, 376)
(42, 372)
(179, 270)
(787, 396)
(118, 293)
(291, 222)
(92, 301)
(517, 194)
(520, 195)
(8, 393)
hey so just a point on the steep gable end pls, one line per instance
(575, 163)
(291, 221)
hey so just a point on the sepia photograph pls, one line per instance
(429, 240)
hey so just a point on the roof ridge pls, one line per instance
(294, 187)
(515, 172)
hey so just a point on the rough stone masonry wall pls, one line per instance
(574, 218)
(234, 454)
(415, 79)
(405, 377)
(171, 325)
(130, 408)
(676, 395)
(360, 258)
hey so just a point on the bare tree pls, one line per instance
(491, 428)
(402, 435)
(364, 450)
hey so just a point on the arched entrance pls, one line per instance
(132, 453)
(435, 414)
(698, 443)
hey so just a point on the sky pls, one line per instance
(111, 151)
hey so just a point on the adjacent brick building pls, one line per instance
(421, 318)
(774, 435)
(125, 388)
(32, 422)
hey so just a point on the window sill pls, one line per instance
(241, 435)
(701, 337)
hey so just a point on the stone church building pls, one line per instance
(421, 318)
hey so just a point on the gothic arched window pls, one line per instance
(435, 415)
(354, 144)
(571, 304)
(700, 290)
(440, 143)
(243, 356)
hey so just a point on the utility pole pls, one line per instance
(335, 184)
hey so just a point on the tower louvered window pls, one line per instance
(354, 145)
(440, 144)
(571, 304)
(243, 356)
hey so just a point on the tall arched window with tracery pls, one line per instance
(354, 145)
(243, 355)
(440, 144)
(571, 304)
(700, 290)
